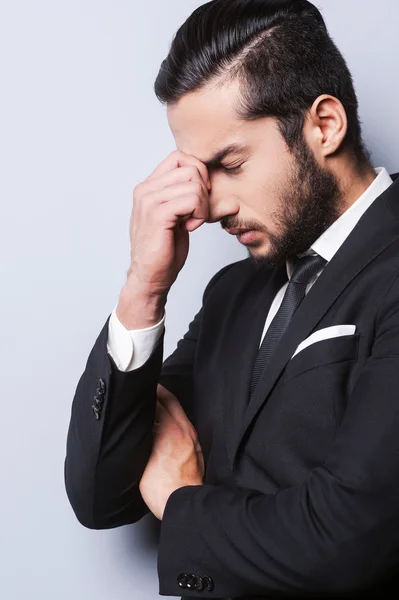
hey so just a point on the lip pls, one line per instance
(236, 231)
(247, 237)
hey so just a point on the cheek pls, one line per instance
(260, 191)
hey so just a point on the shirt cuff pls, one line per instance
(131, 348)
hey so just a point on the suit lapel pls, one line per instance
(247, 319)
(375, 231)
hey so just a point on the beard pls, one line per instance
(309, 204)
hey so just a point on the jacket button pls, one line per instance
(96, 411)
(98, 400)
(199, 583)
(191, 581)
(181, 580)
(208, 582)
(101, 386)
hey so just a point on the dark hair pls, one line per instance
(280, 51)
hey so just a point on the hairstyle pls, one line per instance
(281, 53)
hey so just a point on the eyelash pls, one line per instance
(231, 169)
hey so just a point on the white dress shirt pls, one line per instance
(130, 349)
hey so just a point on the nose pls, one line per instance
(221, 204)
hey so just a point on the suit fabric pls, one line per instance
(301, 489)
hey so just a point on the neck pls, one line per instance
(354, 183)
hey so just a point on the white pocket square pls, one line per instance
(326, 333)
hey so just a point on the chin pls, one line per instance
(259, 243)
(261, 258)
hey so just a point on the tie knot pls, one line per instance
(307, 267)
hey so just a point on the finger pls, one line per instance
(171, 178)
(184, 207)
(174, 408)
(196, 197)
(201, 462)
(162, 415)
(180, 159)
(186, 160)
(158, 412)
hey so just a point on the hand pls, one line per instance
(168, 204)
(176, 459)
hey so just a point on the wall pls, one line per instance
(80, 127)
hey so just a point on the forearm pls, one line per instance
(320, 539)
(335, 534)
(106, 457)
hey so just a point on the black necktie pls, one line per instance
(304, 271)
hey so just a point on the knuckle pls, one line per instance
(138, 190)
(196, 197)
(177, 155)
(198, 186)
(193, 171)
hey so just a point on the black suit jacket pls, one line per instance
(301, 489)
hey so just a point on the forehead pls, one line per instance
(204, 121)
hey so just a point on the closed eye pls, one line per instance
(231, 169)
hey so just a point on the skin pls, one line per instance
(176, 458)
(276, 192)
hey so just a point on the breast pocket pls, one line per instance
(323, 352)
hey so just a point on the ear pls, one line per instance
(326, 125)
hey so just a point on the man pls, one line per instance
(267, 443)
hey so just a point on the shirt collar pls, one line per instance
(330, 241)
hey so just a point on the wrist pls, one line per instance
(139, 309)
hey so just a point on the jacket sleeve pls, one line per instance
(110, 435)
(335, 534)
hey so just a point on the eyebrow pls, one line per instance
(217, 158)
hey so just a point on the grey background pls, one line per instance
(80, 127)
